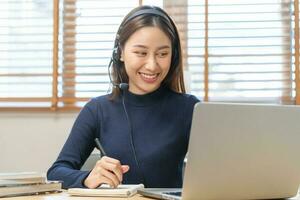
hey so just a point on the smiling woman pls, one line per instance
(142, 126)
(147, 54)
(147, 58)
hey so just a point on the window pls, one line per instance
(54, 54)
(86, 40)
(249, 56)
(26, 32)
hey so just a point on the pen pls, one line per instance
(99, 146)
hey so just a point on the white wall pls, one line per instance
(32, 141)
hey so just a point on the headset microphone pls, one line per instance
(123, 86)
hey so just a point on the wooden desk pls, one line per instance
(65, 196)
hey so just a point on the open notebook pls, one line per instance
(125, 190)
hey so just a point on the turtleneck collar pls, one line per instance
(145, 99)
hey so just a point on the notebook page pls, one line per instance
(125, 190)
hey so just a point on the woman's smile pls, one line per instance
(149, 78)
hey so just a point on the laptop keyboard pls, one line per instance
(173, 193)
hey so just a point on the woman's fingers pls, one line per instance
(107, 170)
(125, 168)
(114, 166)
(105, 180)
(111, 176)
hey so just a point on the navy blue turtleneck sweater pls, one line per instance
(160, 123)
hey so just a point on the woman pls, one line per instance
(144, 124)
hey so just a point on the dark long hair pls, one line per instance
(130, 24)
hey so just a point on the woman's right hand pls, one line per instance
(107, 170)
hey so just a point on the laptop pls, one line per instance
(240, 151)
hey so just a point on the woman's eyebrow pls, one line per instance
(145, 47)
(140, 46)
(164, 47)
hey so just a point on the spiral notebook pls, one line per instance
(125, 190)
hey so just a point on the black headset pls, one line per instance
(115, 60)
(116, 55)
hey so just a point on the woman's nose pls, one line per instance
(151, 63)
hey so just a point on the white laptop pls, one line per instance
(240, 151)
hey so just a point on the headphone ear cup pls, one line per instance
(116, 55)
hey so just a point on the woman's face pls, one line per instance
(147, 58)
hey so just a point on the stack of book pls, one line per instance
(26, 183)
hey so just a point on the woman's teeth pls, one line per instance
(149, 76)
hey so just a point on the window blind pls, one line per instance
(178, 11)
(87, 38)
(249, 50)
(234, 50)
(25, 53)
(295, 50)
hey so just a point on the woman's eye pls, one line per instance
(140, 53)
(163, 54)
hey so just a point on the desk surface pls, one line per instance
(65, 196)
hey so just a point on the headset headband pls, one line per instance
(150, 11)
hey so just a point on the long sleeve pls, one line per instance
(76, 150)
(152, 140)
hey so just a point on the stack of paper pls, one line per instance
(25, 183)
